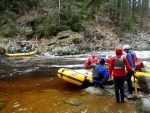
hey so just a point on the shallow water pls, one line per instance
(31, 85)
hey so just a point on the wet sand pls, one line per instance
(48, 95)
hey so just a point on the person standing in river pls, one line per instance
(90, 61)
(131, 57)
(117, 67)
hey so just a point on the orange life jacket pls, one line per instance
(139, 65)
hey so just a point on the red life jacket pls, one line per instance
(89, 62)
(107, 62)
(92, 61)
(139, 65)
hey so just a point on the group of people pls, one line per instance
(120, 67)
(13, 51)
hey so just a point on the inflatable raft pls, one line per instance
(78, 77)
(20, 54)
(84, 76)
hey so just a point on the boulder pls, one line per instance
(144, 105)
(144, 83)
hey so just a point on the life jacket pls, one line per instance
(13, 51)
(134, 58)
(107, 61)
(139, 65)
(89, 61)
(92, 61)
(119, 63)
(95, 71)
(95, 74)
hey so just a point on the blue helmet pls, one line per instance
(102, 56)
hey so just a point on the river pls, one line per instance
(30, 85)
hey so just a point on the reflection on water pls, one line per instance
(30, 84)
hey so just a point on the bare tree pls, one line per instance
(59, 12)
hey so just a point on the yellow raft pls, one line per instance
(78, 77)
(20, 54)
(142, 73)
(84, 76)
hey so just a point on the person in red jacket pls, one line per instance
(117, 67)
(90, 61)
(107, 63)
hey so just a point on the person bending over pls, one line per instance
(100, 74)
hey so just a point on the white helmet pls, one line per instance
(126, 47)
(24, 47)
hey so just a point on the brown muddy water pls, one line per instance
(31, 85)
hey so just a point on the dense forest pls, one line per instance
(126, 15)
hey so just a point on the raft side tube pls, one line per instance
(137, 74)
(73, 77)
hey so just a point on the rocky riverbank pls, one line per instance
(101, 35)
(71, 43)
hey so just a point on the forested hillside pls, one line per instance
(101, 22)
(126, 15)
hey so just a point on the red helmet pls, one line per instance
(93, 55)
(118, 50)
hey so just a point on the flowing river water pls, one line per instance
(30, 85)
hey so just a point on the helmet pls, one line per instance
(93, 55)
(24, 47)
(102, 56)
(126, 47)
(118, 50)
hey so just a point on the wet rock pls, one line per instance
(110, 86)
(74, 101)
(2, 50)
(99, 91)
(66, 50)
(94, 90)
(3, 104)
(144, 84)
(64, 34)
(110, 92)
(144, 105)
(130, 96)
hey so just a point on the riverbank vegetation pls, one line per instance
(77, 15)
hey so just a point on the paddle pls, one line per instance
(135, 88)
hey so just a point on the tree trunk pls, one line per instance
(24, 7)
(133, 9)
(142, 14)
(147, 15)
(59, 12)
(118, 11)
